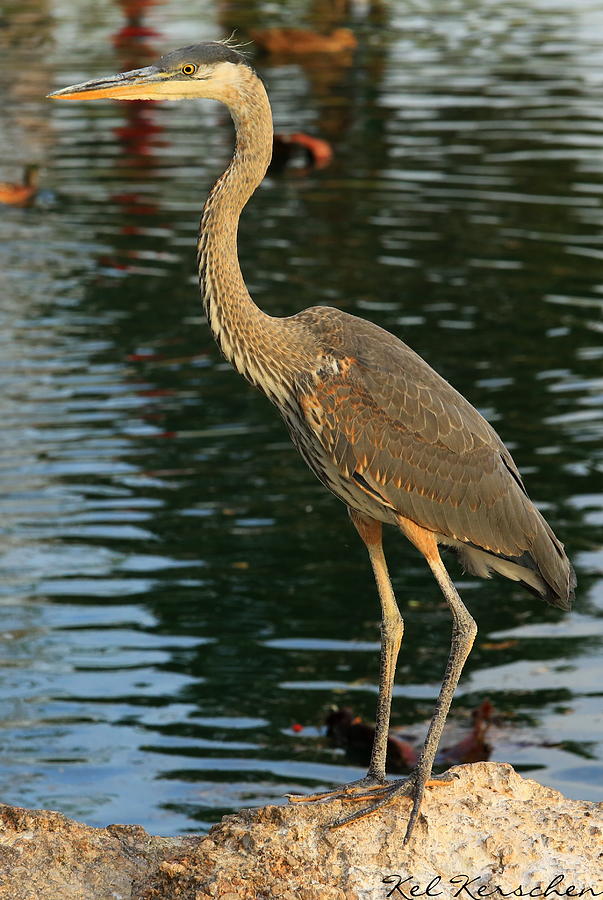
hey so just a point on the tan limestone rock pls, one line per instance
(489, 827)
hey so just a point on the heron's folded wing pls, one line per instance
(390, 422)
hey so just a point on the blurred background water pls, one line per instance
(177, 589)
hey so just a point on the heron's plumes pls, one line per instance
(233, 44)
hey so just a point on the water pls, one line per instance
(177, 589)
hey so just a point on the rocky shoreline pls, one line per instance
(491, 833)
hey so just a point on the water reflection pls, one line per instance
(177, 590)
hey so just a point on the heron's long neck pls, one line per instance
(248, 337)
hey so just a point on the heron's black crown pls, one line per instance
(206, 54)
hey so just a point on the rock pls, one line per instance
(488, 827)
(46, 855)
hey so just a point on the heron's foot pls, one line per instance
(382, 795)
(365, 787)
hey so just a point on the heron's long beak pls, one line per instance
(139, 84)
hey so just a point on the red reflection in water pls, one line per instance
(134, 36)
(138, 135)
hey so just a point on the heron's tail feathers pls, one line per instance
(544, 568)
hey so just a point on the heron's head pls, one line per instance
(212, 69)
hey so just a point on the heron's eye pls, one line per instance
(188, 69)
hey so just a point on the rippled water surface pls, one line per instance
(177, 589)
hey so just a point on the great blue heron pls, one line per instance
(379, 427)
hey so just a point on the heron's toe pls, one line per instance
(367, 786)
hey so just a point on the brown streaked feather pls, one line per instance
(407, 438)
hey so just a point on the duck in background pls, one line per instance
(316, 153)
(302, 41)
(349, 731)
(23, 193)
